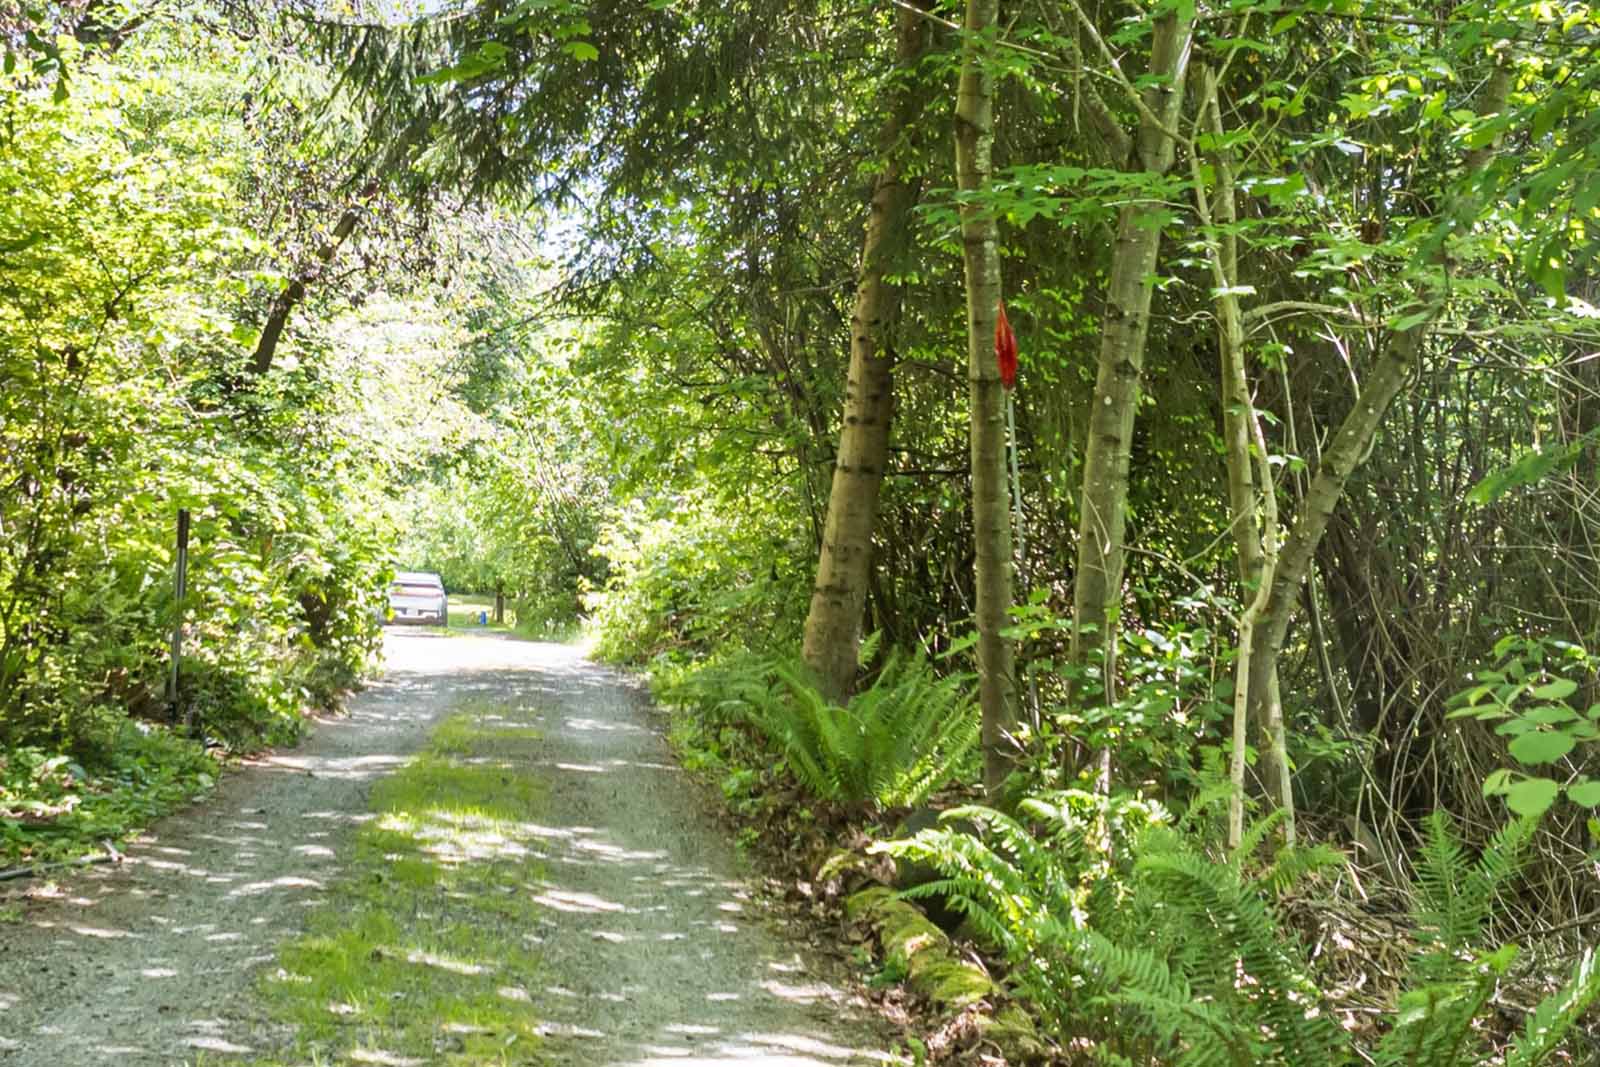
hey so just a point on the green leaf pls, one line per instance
(1532, 796)
(488, 58)
(1529, 468)
(1559, 689)
(1541, 747)
(1550, 714)
(1586, 793)
(582, 51)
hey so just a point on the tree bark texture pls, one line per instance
(991, 518)
(838, 598)
(295, 291)
(1102, 504)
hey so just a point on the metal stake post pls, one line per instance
(180, 589)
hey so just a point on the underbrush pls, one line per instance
(1126, 930)
(757, 721)
(280, 618)
(1137, 941)
(53, 807)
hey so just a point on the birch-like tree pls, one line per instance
(1150, 147)
(833, 625)
(991, 518)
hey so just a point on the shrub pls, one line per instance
(891, 745)
(1125, 932)
(702, 576)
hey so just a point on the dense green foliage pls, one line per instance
(560, 301)
(126, 250)
(1108, 914)
(890, 746)
(144, 226)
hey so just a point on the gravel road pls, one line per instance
(655, 952)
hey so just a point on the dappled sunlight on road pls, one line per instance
(655, 949)
(202, 898)
(651, 950)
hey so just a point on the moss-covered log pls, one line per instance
(935, 971)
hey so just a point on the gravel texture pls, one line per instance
(655, 951)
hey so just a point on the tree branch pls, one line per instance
(1134, 96)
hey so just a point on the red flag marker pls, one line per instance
(1005, 349)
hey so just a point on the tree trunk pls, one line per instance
(991, 517)
(1257, 541)
(838, 599)
(1350, 446)
(1339, 462)
(295, 291)
(1098, 583)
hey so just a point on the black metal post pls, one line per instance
(180, 589)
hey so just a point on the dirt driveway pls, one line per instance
(654, 951)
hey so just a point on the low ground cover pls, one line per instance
(473, 611)
(420, 950)
(1125, 928)
(53, 808)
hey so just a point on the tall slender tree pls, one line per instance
(833, 625)
(1103, 502)
(991, 519)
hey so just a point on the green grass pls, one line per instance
(466, 607)
(464, 610)
(418, 951)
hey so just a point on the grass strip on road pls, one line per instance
(421, 952)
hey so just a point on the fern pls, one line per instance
(893, 744)
(1027, 884)
(1001, 881)
(1449, 983)
(1437, 1023)
(1293, 864)
(1556, 1015)
(1454, 897)
(1434, 1025)
(1236, 956)
(1176, 959)
(1255, 835)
